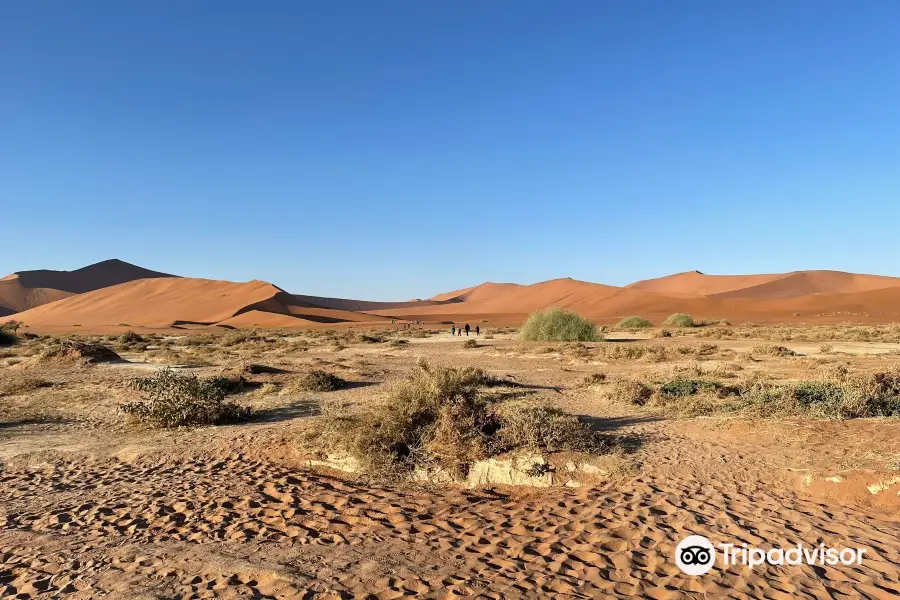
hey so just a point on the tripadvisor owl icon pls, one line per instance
(695, 555)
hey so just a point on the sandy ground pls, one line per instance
(91, 507)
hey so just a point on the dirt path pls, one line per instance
(228, 526)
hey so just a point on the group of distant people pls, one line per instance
(458, 332)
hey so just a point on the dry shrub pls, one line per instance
(773, 350)
(634, 352)
(593, 380)
(470, 344)
(439, 419)
(540, 426)
(174, 400)
(662, 333)
(826, 349)
(399, 343)
(13, 384)
(315, 380)
(7, 337)
(628, 391)
(73, 350)
(130, 337)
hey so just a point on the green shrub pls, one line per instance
(679, 320)
(174, 400)
(634, 323)
(7, 337)
(559, 325)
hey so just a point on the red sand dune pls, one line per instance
(803, 283)
(486, 290)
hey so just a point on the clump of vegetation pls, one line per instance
(634, 323)
(7, 337)
(316, 380)
(627, 391)
(439, 418)
(21, 384)
(370, 338)
(680, 320)
(594, 379)
(171, 400)
(772, 350)
(559, 325)
(470, 344)
(399, 343)
(130, 337)
(662, 333)
(826, 349)
(73, 350)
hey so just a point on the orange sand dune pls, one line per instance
(152, 303)
(803, 283)
(24, 290)
(14, 297)
(86, 279)
(695, 283)
(483, 291)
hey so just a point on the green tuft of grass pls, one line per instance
(559, 325)
(680, 320)
(634, 323)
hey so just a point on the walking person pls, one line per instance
(459, 332)
(477, 330)
(467, 330)
(453, 330)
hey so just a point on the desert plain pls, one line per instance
(769, 420)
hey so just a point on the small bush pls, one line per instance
(559, 325)
(634, 323)
(439, 419)
(73, 350)
(316, 380)
(627, 391)
(130, 337)
(470, 344)
(21, 384)
(592, 380)
(826, 349)
(662, 333)
(399, 343)
(370, 338)
(772, 350)
(174, 400)
(7, 337)
(680, 320)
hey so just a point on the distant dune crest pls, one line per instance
(114, 293)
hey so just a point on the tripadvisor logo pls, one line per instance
(696, 555)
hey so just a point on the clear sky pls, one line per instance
(393, 149)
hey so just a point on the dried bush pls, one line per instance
(13, 384)
(439, 419)
(627, 391)
(772, 350)
(174, 400)
(7, 337)
(470, 344)
(559, 325)
(130, 337)
(315, 380)
(593, 379)
(73, 350)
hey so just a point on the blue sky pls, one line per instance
(393, 149)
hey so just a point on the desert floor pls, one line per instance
(92, 506)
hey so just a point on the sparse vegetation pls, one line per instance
(593, 379)
(130, 337)
(634, 323)
(11, 385)
(470, 344)
(679, 320)
(171, 400)
(316, 380)
(438, 418)
(772, 350)
(559, 325)
(74, 350)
